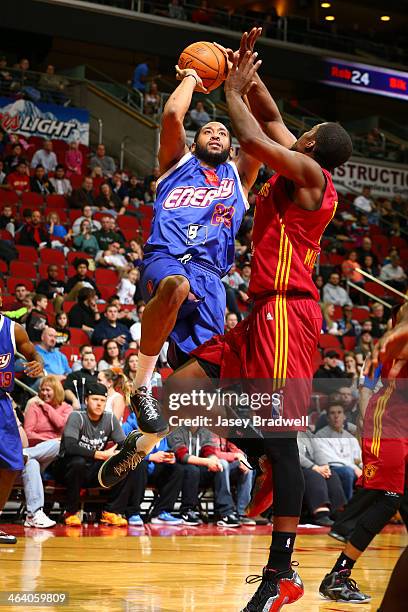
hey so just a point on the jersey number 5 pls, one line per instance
(222, 214)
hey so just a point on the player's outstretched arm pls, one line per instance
(34, 365)
(393, 345)
(172, 135)
(305, 173)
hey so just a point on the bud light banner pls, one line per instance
(45, 120)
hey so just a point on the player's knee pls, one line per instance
(374, 519)
(173, 290)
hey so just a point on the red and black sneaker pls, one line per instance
(277, 588)
(262, 492)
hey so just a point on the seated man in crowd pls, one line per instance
(21, 294)
(34, 233)
(37, 320)
(393, 274)
(19, 179)
(51, 286)
(112, 257)
(84, 349)
(86, 215)
(83, 449)
(45, 157)
(329, 377)
(188, 445)
(231, 321)
(84, 196)
(109, 328)
(80, 280)
(76, 382)
(340, 449)
(85, 314)
(199, 116)
(55, 362)
(106, 235)
(39, 182)
(349, 402)
(45, 417)
(103, 161)
(333, 293)
(61, 184)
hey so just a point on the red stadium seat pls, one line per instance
(43, 270)
(97, 182)
(147, 211)
(74, 214)
(3, 267)
(57, 201)
(98, 352)
(99, 215)
(130, 234)
(53, 256)
(377, 289)
(71, 352)
(126, 222)
(12, 281)
(31, 200)
(27, 253)
(399, 242)
(327, 341)
(8, 197)
(23, 269)
(5, 235)
(360, 314)
(78, 336)
(317, 360)
(349, 343)
(76, 180)
(107, 291)
(106, 277)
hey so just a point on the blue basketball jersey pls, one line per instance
(197, 213)
(7, 350)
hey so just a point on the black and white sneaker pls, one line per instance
(191, 518)
(117, 467)
(6, 538)
(338, 586)
(229, 520)
(148, 412)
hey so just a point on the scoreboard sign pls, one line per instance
(362, 77)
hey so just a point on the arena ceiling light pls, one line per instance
(330, 18)
(325, 5)
(385, 18)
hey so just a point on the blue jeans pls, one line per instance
(347, 476)
(243, 481)
(40, 457)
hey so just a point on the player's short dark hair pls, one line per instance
(333, 146)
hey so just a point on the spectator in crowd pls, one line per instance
(111, 358)
(199, 116)
(202, 14)
(351, 369)
(347, 326)
(84, 196)
(150, 193)
(106, 235)
(127, 286)
(160, 470)
(112, 258)
(57, 232)
(176, 11)
(155, 174)
(86, 214)
(130, 367)
(33, 233)
(45, 417)
(329, 377)
(21, 293)
(135, 253)
(7, 221)
(115, 401)
(107, 200)
(393, 274)
(54, 85)
(76, 382)
(337, 233)
(73, 159)
(110, 329)
(135, 194)
(119, 187)
(84, 349)
(45, 157)
(188, 445)
(231, 321)
(334, 293)
(346, 398)
(378, 320)
(234, 462)
(151, 100)
(365, 344)
(18, 180)
(3, 175)
(369, 266)
(329, 326)
(39, 182)
(80, 280)
(349, 268)
(393, 251)
(366, 249)
(232, 281)
(319, 282)
(51, 286)
(102, 161)
(12, 161)
(59, 182)
(340, 449)
(5, 76)
(364, 202)
(62, 329)
(85, 315)
(140, 76)
(83, 448)
(55, 362)
(37, 320)
(86, 241)
(136, 328)
(323, 490)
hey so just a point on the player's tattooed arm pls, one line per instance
(173, 144)
(34, 365)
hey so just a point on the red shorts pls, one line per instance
(385, 441)
(275, 343)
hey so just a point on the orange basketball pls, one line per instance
(208, 61)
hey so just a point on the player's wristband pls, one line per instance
(194, 77)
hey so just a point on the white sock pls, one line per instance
(146, 442)
(145, 368)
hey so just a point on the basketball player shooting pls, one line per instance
(200, 202)
(12, 337)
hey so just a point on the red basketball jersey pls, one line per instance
(286, 239)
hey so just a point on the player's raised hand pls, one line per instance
(181, 74)
(248, 41)
(241, 77)
(33, 369)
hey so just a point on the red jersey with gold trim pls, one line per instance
(286, 239)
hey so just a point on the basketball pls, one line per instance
(208, 61)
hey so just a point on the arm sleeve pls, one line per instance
(97, 335)
(177, 446)
(117, 434)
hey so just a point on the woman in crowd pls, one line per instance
(73, 159)
(111, 357)
(117, 390)
(135, 253)
(62, 327)
(329, 326)
(130, 367)
(152, 100)
(127, 286)
(86, 241)
(45, 418)
(351, 368)
(108, 200)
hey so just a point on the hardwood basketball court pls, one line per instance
(177, 569)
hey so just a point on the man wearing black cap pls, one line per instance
(82, 451)
(329, 377)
